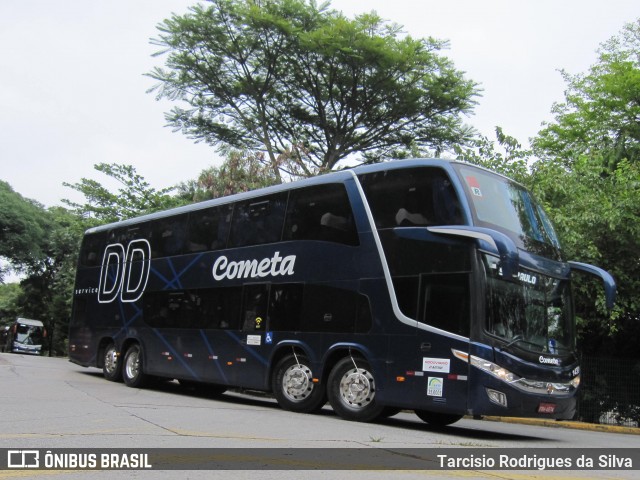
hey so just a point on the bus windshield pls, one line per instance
(28, 334)
(534, 314)
(505, 206)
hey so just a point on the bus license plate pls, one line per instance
(547, 408)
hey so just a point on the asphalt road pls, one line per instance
(49, 403)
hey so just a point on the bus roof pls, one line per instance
(28, 321)
(331, 177)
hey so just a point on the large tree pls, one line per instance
(601, 112)
(23, 228)
(306, 85)
(589, 176)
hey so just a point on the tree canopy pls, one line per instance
(588, 174)
(23, 228)
(601, 112)
(306, 85)
(134, 197)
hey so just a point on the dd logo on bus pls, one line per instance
(124, 272)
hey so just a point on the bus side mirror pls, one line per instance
(491, 240)
(607, 280)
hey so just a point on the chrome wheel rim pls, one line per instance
(132, 366)
(111, 361)
(357, 388)
(297, 382)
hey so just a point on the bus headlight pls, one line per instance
(493, 369)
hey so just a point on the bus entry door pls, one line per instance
(445, 305)
(250, 354)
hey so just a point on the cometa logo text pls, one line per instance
(274, 266)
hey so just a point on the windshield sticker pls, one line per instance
(474, 186)
(441, 365)
(434, 387)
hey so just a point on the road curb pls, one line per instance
(566, 424)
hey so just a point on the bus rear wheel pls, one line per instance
(294, 388)
(132, 372)
(352, 390)
(437, 419)
(111, 366)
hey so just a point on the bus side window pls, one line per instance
(254, 308)
(258, 221)
(209, 228)
(92, 250)
(329, 309)
(322, 212)
(167, 236)
(285, 307)
(446, 302)
(207, 308)
(412, 198)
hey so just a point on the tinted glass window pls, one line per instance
(285, 307)
(446, 302)
(203, 308)
(92, 250)
(258, 221)
(411, 197)
(167, 236)
(330, 309)
(321, 213)
(254, 308)
(209, 228)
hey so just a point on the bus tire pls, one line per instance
(352, 391)
(294, 388)
(437, 419)
(132, 372)
(111, 365)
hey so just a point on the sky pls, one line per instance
(73, 91)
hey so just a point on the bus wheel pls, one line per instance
(294, 388)
(352, 390)
(111, 367)
(437, 419)
(132, 367)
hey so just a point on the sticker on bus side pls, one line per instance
(435, 386)
(254, 339)
(440, 365)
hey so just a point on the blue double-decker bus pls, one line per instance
(429, 285)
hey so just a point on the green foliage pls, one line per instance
(589, 178)
(241, 172)
(507, 157)
(23, 228)
(8, 302)
(602, 108)
(291, 78)
(134, 197)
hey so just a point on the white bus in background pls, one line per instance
(26, 336)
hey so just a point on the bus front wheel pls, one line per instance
(111, 366)
(294, 388)
(352, 390)
(437, 419)
(132, 367)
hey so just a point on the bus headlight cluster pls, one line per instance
(493, 369)
(538, 387)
